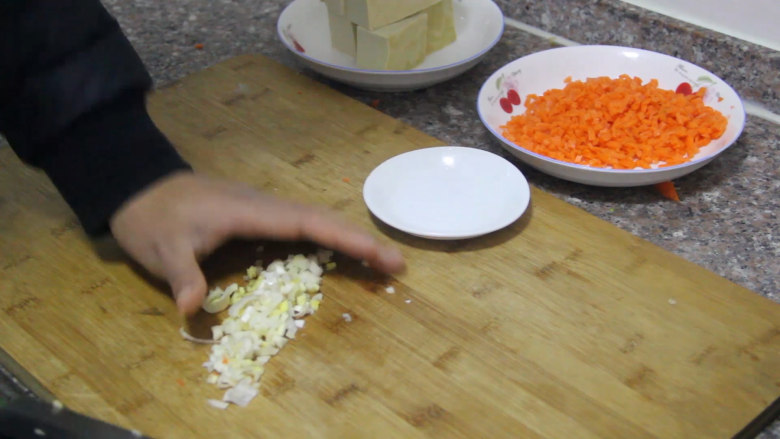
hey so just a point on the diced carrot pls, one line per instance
(618, 123)
(667, 189)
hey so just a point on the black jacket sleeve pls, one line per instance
(72, 102)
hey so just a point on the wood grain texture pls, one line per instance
(559, 326)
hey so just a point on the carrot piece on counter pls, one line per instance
(667, 189)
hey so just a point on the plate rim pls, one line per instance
(381, 73)
(702, 160)
(524, 190)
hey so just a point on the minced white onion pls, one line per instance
(262, 317)
(242, 394)
(222, 405)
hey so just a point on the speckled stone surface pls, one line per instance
(753, 70)
(727, 220)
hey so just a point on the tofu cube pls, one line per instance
(342, 34)
(441, 25)
(337, 7)
(398, 46)
(374, 14)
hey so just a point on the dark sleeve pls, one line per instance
(72, 102)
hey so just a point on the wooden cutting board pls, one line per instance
(559, 326)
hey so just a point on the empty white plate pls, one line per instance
(447, 192)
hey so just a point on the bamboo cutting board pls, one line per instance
(559, 326)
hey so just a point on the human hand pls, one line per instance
(168, 226)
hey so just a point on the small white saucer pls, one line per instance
(447, 192)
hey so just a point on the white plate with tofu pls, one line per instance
(390, 46)
(447, 192)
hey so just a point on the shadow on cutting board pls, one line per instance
(482, 242)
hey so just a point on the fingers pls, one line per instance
(180, 267)
(334, 233)
(277, 219)
(167, 226)
(389, 260)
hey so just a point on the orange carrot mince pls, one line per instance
(618, 123)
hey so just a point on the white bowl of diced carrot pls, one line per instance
(610, 115)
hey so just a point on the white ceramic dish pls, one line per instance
(544, 70)
(303, 28)
(447, 192)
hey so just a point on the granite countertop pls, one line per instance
(727, 218)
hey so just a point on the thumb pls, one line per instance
(186, 279)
